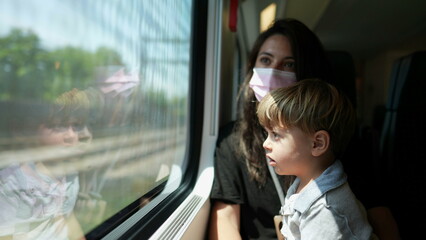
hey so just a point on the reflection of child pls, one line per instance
(67, 123)
(308, 126)
(37, 203)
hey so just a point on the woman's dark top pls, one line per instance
(232, 184)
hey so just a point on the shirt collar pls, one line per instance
(331, 178)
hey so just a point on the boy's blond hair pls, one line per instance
(310, 105)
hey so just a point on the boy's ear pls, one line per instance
(321, 143)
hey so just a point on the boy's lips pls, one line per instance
(271, 161)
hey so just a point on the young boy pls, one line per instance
(308, 126)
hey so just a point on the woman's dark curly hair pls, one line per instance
(310, 62)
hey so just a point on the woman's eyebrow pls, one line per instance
(271, 55)
(266, 53)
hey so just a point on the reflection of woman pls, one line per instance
(36, 202)
(113, 99)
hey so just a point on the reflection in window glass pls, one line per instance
(93, 102)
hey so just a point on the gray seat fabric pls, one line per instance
(403, 143)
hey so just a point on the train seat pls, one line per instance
(344, 74)
(403, 141)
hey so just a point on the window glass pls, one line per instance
(94, 107)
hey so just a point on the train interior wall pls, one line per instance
(373, 70)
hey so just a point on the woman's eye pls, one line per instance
(289, 64)
(265, 61)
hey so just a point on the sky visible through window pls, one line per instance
(148, 35)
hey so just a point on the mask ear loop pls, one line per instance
(277, 184)
(281, 195)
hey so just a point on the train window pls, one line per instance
(94, 101)
(267, 16)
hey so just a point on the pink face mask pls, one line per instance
(266, 79)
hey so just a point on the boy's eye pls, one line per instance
(60, 129)
(77, 127)
(275, 135)
(271, 134)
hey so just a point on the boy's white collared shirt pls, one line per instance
(325, 209)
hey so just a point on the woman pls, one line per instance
(244, 197)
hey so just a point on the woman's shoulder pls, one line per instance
(227, 146)
(227, 139)
(226, 132)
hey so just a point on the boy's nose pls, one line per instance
(84, 135)
(266, 145)
(70, 136)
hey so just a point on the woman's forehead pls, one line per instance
(276, 45)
